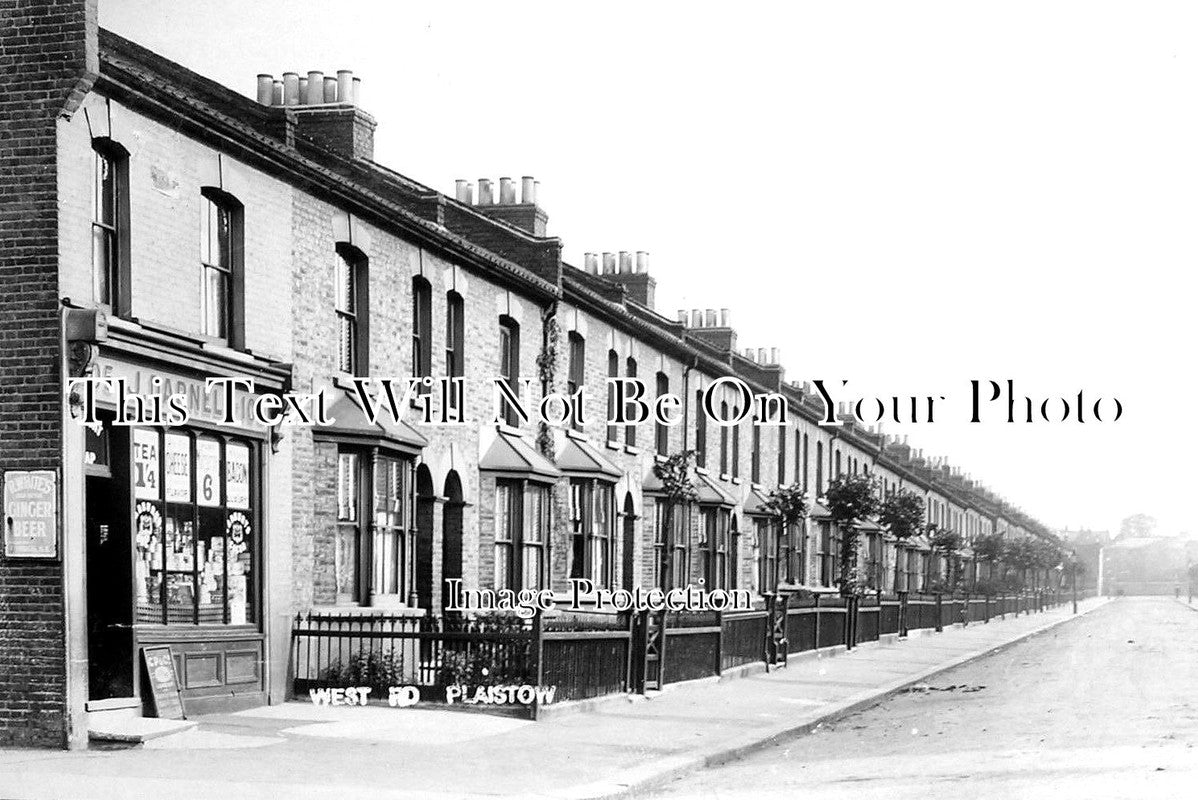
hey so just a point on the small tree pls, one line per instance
(787, 505)
(674, 472)
(901, 514)
(988, 547)
(850, 498)
(947, 543)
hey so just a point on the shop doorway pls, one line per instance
(451, 534)
(110, 645)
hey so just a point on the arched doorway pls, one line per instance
(629, 540)
(425, 502)
(451, 533)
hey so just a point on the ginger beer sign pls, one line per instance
(31, 514)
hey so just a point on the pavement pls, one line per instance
(1104, 707)
(623, 746)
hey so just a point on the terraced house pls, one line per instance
(164, 229)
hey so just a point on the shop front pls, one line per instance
(174, 532)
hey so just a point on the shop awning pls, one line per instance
(581, 459)
(352, 426)
(511, 456)
(711, 493)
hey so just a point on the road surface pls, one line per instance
(1103, 706)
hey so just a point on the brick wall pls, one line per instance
(48, 51)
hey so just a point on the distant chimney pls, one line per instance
(525, 214)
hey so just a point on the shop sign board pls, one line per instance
(164, 683)
(31, 513)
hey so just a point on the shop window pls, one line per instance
(195, 527)
(110, 226)
(509, 365)
(592, 531)
(375, 527)
(455, 342)
(221, 252)
(576, 371)
(630, 430)
(351, 302)
(521, 535)
(613, 371)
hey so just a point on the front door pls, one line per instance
(109, 567)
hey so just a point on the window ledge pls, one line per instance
(611, 445)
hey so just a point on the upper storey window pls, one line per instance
(110, 226)
(221, 267)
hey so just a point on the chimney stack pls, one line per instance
(327, 110)
(525, 214)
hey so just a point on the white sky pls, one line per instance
(904, 195)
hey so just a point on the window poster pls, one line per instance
(237, 476)
(146, 480)
(207, 472)
(178, 468)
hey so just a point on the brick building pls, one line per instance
(176, 211)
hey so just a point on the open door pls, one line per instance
(110, 653)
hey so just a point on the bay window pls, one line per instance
(521, 535)
(592, 530)
(373, 554)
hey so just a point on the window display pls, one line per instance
(193, 529)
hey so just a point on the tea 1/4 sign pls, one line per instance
(31, 514)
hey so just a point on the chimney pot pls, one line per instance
(276, 93)
(330, 89)
(461, 190)
(773, 355)
(682, 317)
(750, 354)
(485, 197)
(315, 94)
(265, 88)
(625, 261)
(302, 99)
(696, 319)
(507, 192)
(355, 94)
(528, 191)
(345, 86)
(609, 263)
(291, 94)
(642, 261)
(723, 318)
(761, 356)
(710, 322)
(591, 263)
